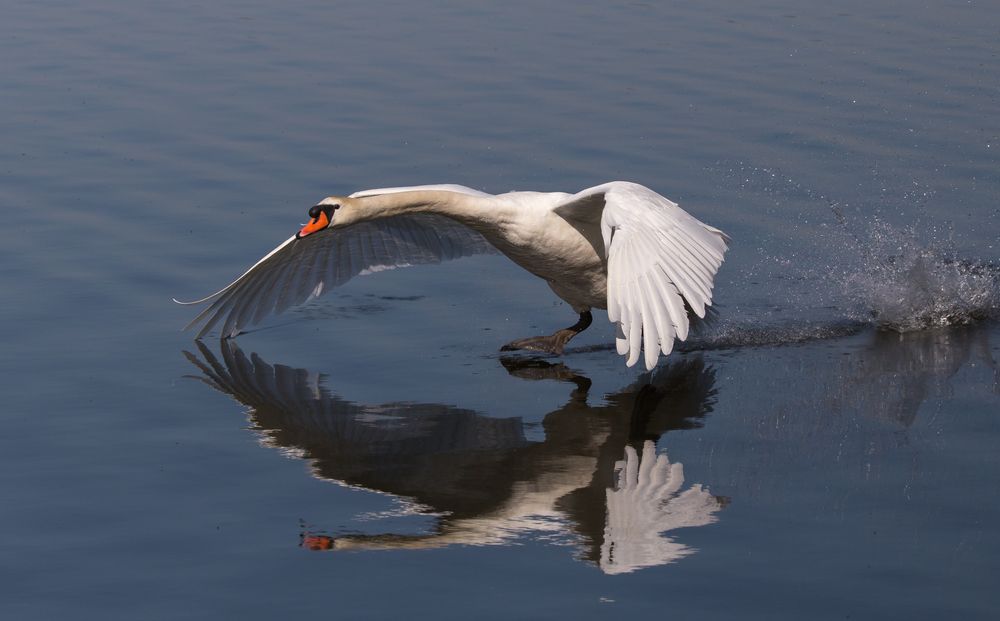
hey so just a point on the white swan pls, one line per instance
(619, 246)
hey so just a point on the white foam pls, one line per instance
(905, 285)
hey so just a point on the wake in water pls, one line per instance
(854, 272)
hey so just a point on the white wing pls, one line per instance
(659, 258)
(299, 270)
(447, 187)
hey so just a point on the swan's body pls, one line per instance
(618, 246)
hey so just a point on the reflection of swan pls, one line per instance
(887, 376)
(902, 370)
(618, 246)
(855, 411)
(487, 483)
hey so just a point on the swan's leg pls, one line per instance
(554, 343)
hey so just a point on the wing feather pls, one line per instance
(233, 311)
(699, 253)
(694, 291)
(650, 331)
(244, 310)
(675, 306)
(634, 324)
(298, 270)
(285, 288)
(268, 296)
(692, 264)
(659, 259)
(661, 317)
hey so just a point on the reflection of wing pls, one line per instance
(659, 258)
(424, 451)
(300, 269)
(646, 503)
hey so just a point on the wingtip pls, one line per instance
(726, 237)
(201, 301)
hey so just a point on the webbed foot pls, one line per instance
(552, 344)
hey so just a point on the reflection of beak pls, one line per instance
(317, 543)
(319, 223)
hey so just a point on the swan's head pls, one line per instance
(321, 216)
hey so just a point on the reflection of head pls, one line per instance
(484, 479)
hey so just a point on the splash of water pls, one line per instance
(858, 270)
(902, 284)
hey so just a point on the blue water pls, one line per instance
(828, 449)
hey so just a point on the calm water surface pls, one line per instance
(828, 449)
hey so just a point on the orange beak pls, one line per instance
(319, 223)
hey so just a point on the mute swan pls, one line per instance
(619, 246)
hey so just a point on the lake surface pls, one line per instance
(827, 450)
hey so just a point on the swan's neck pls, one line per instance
(473, 211)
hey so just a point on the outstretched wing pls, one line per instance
(447, 187)
(301, 269)
(659, 258)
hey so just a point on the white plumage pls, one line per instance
(619, 246)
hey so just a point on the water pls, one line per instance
(826, 449)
